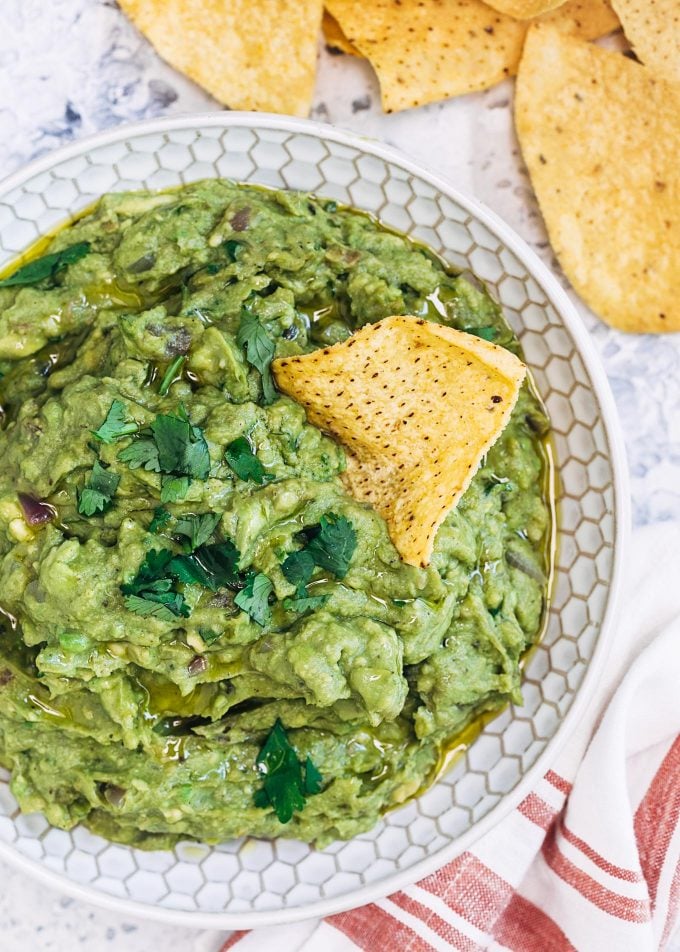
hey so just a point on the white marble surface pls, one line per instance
(72, 67)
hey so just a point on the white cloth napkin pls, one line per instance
(590, 860)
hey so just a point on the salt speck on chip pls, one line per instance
(417, 405)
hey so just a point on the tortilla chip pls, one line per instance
(427, 50)
(334, 36)
(245, 53)
(600, 137)
(417, 405)
(653, 29)
(524, 9)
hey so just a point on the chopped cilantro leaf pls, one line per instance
(116, 425)
(313, 778)
(298, 569)
(152, 569)
(46, 266)
(284, 787)
(305, 603)
(174, 488)
(197, 529)
(141, 453)
(172, 374)
(243, 461)
(161, 517)
(172, 446)
(212, 566)
(334, 543)
(182, 449)
(259, 348)
(151, 592)
(210, 636)
(254, 598)
(99, 491)
(164, 606)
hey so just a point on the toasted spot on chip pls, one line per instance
(524, 9)
(427, 50)
(334, 36)
(249, 54)
(653, 29)
(606, 174)
(413, 454)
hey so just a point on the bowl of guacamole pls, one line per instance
(204, 635)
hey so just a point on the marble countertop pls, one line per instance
(72, 67)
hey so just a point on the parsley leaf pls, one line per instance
(173, 373)
(333, 545)
(298, 569)
(243, 461)
(99, 491)
(141, 453)
(254, 598)
(285, 786)
(197, 529)
(161, 517)
(259, 348)
(46, 266)
(212, 566)
(305, 603)
(116, 425)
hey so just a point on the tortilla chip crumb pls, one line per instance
(417, 405)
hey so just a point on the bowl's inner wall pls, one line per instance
(254, 875)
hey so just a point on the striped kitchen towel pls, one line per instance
(590, 860)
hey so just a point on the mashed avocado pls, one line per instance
(197, 622)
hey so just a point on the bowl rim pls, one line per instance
(621, 515)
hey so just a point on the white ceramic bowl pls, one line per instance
(251, 883)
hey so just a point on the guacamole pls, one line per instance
(202, 634)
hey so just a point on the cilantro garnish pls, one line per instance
(254, 598)
(209, 635)
(211, 566)
(197, 529)
(151, 591)
(171, 375)
(330, 547)
(166, 606)
(99, 491)
(182, 449)
(173, 446)
(161, 517)
(305, 603)
(298, 569)
(286, 781)
(116, 425)
(259, 348)
(47, 266)
(243, 461)
(141, 453)
(333, 544)
(174, 488)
